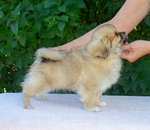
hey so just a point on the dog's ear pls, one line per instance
(102, 52)
(99, 48)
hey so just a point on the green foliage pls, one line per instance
(28, 25)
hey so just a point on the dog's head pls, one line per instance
(106, 40)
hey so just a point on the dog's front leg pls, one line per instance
(26, 101)
(98, 101)
(88, 99)
(40, 97)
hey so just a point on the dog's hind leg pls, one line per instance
(33, 86)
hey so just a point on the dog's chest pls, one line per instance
(111, 77)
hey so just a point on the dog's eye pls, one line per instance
(116, 34)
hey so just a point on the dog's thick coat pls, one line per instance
(89, 71)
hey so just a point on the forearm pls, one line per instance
(79, 42)
(131, 13)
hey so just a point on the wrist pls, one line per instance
(147, 45)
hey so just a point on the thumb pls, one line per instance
(123, 55)
(126, 47)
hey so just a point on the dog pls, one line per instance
(89, 71)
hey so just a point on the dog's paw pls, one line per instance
(94, 109)
(28, 106)
(40, 97)
(103, 104)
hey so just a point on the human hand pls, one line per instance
(135, 50)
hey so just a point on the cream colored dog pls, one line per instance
(89, 71)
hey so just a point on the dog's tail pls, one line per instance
(47, 54)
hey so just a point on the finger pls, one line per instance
(123, 54)
(126, 43)
(126, 54)
(126, 47)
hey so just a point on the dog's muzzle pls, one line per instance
(124, 37)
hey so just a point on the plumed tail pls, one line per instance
(46, 54)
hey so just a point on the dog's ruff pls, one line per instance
(89, 71)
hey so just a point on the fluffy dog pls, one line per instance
(88, 71)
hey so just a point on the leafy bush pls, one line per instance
(28, 25)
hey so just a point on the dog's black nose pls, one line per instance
(125, 40)
(124, 37)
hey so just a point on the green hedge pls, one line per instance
(31, 24)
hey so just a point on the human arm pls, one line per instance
(131, 13)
